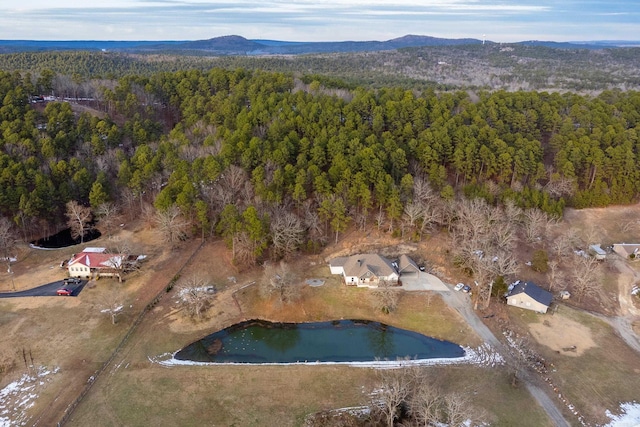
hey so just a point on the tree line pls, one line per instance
(491, 66)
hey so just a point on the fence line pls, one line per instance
(92, 379)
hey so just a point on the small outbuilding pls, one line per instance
(529, 296)
(597, 252)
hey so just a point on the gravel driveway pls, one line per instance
(461, 303)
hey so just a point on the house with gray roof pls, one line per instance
(365, 270)
(529, 296)
(627, 250)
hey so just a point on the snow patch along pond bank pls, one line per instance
(484, 355)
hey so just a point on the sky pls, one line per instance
(320, 20)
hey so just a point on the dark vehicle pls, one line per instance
(64, 292)
(466, 288)
(71, 281)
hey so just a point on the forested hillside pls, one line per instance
(246, 154)
(492, 66)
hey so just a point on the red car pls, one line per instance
(64, 291)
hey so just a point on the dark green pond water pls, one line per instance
(257, 341)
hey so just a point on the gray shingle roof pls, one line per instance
(359, 265)
(406, 264)
(534, 291)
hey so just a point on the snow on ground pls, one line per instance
(630, 416)
(20, 395)
(484, 355)
(114, 310)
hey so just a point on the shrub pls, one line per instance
(540, 261)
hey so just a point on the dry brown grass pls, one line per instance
(597, 378)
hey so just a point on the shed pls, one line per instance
(597, 252)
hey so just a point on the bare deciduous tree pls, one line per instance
(120, 252)
(230, 187)
(563, 244)
(559, 186)
(78, 219)
(536, 225)
(279, 280)
(380, 219)
(586, 278)
(425, 404)
(485, 239)
(195, 297)
(412, 212)
(286, 233)
(408, 396)
(590, 235)
(456, 410)
(312, 221)
(243, 249)
(8, 238)
(113, 305)
(108, 216)
(554, 276)
(394, 390)
(385, 298)
(172, 226)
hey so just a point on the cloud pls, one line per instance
(305, 19)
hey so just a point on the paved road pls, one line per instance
(461, 303)
(48, 290)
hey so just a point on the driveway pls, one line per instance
(422, 281)
(48, 290)
(461, 303)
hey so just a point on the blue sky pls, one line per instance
(319, 20)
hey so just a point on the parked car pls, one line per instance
(64, 292)
(71, 281)
(466, 288)
(458, 287)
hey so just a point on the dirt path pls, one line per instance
(461, 303)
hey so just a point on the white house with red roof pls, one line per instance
(95, 262)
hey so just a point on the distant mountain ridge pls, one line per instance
(238, 45)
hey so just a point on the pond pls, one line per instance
(63, 239)
(257, 341)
